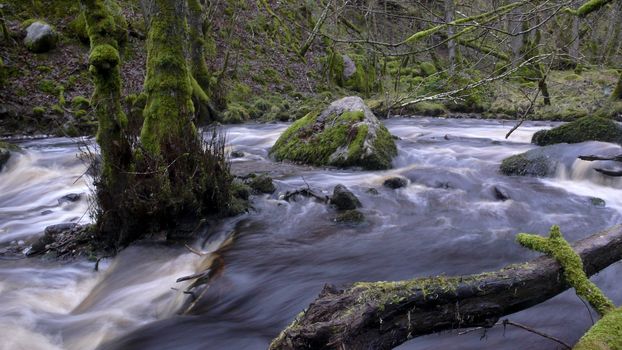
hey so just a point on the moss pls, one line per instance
(78, 29)
(80, 103)
(47, 86)
(57, 109)
(557, 247)
(262, 184)
(38, 111)
(430, 109)
(520, 165)
(606, 334)
(235, 114)
(617, 92)
(427, 68)
(583, 129)
(350, 216)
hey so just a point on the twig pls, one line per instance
(535, 331)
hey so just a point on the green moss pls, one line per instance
(520, 165)
(80, 103)
(38, 111)
(235, 114)
(78, 29)
(583, 129)
(427, 68)
(606, 334)
(617, 92)
(557, 247)
(57, 109)
(350, 216)
(262, 184)
(316, 142)
(48, 86)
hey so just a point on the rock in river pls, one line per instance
(346, 133)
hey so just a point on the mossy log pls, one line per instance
(382, 315)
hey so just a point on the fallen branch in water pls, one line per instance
(382, 315)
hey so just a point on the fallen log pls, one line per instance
(382, 315)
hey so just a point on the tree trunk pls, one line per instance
(105, 64)
(617, 92)
(200, 75)
(169, 110)
(382, 315)
(451, 44)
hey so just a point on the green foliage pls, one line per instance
(557, 247)
(583, 129)
(38, 111)
(48, 86)
(428, 68)
(235, 114)
(80, 103)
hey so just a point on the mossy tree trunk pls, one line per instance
(115, 148)
(200, 75)
(168, 85)
(617, 93)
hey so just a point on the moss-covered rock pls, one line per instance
(262, 184)
(353, 71)
(40, 37)
(5, 153)
(545, 161)
(350, 217)
(580, 130)
(345, 134)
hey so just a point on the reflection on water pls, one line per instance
(448, 220)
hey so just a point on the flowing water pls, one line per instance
(277, 258)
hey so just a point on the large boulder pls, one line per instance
(346, 133)
(545, 161)
(580, 130)
(40, 37)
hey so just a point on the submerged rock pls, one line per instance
(344, 199)
(40, 37)
(598, 202)
(346, 133)
(544, 161)
(68, 198)
(581, 130)
(262, 184)
(395, 182)
(350, 216)
(5, 153)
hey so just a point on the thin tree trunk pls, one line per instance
(382, 315)
(451, 44)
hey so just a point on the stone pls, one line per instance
(40, 37)
(262, 184)
(395, 182)
(344, 199)
(350, 216)
(344, 134)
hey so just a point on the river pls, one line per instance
(447, 221)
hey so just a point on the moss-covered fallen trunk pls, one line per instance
(345, 134)
(580, 130)
(382, 315)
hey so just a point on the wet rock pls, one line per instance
(344, 199)
(262, 184)
(350, 216)
(46, 212)
(5, 153)
(237, 154)
(372, 191)
(500, 193)
(344, 134)
(40, 37)
(597, 202)
(69, 198)
(395, 182)
(544, 161)
(581, 130)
